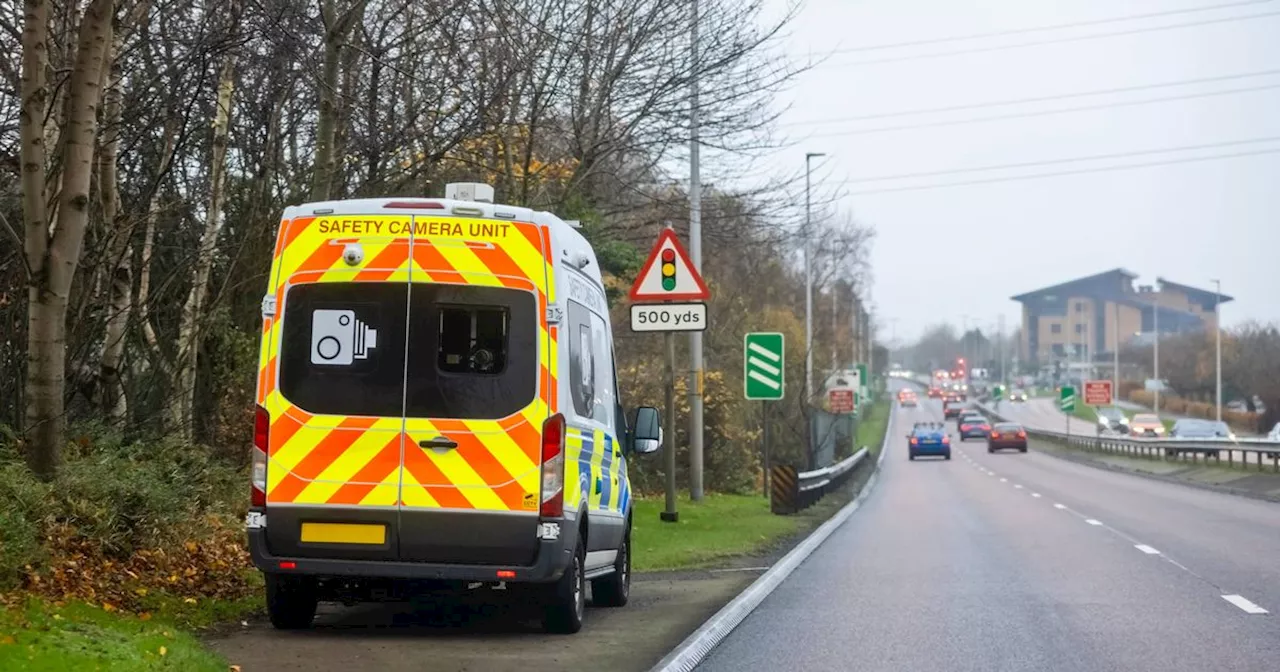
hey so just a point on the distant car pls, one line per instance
(935, 392)
(952, 409)
(1017, 395)
(1191, 429)
(1146, 424)
(908, 402)
(1007, 435)
(1112, 419)
(928, 438)
(973, 425)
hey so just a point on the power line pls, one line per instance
(1037, 29)
(1058, 40)
(1048, 162)
(1082, 171)
(1042, 113)
(1035, 99)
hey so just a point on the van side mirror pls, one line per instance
(646, 437)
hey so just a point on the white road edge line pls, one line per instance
(1035, 494)
(1059, 506)
(1092, 521)
(1245, 605)
(1146, 549)
(695, 648)
(1004, 480)
(1017, 486)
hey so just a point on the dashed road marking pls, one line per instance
(1245, 605)
(1091, 521)
(1035, 494)
(1146, 549)
(1017, 486)
(1059, 506)
(1004, 480)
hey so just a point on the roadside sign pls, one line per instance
(997, 392)
(763, 365)
(1097, 392)
(1067, 402)
(841, 401)
(668, 275)
(668, 316)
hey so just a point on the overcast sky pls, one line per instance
(964, 250)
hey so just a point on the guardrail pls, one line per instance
(791, 491)
(1196, 451)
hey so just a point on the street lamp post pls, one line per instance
(1217, 328)
(808, 282)
(1155, 351)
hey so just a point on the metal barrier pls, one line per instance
(791, 491)
(1186, 450)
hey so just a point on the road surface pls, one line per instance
(1025, 562)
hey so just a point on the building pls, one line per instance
(1088, 317)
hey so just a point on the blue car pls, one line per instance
(929, 438)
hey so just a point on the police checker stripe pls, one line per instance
(588, 459)
(357, 461)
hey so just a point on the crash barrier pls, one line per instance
(791, 491)
(1259, 452)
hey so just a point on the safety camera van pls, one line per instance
(437, 410)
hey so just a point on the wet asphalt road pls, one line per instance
(1025, 562)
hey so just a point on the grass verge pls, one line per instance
(40, 636)
(723, 527)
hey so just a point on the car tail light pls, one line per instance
(995, 435)
(915, 441)
(965, 428)
(946, 439)
(414, 205)
(553, 467)
(1022, 435)
(258, 460)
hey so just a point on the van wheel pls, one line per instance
(567, 598)
(291, 602)
(615, 589)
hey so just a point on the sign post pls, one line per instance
(668, 296)
(1067, 404)
(764, 378)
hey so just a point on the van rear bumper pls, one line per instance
(552, 558)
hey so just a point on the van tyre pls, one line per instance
(614, 590)
(291, 602)
(567, 599)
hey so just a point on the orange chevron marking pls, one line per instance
(425, 471)
(370, 475)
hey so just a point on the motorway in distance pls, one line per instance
(1014, 561)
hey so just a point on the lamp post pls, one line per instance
(808, 282)
(1217, 328)
(1155, 351)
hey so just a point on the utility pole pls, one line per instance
(695, 251)
(964, 339)
(1217, 328)
(835, 341)
(855, 325)
(1115, 352)
(808, 283)
(1003, 371)
(1155, 352)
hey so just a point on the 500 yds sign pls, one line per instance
(669, 317)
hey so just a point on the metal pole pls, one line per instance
(1115, 354)
(670, 515)
(1155, 353)
(835, 291)
(808, 284)
(764, 409)
(1217, 328)
(695, 251)
(1003, 371)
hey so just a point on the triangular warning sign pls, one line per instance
(668, 275)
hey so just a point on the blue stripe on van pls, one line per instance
(584, 464)
(606, 481)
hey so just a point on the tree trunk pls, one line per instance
(181, 411)
(335, 33)
(143, 299)
(52, 256)
(119, 266)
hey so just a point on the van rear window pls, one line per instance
(472, 351)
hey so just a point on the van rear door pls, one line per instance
(335, 389)
(478, 386)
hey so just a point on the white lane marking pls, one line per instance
(1091, 521)
(1146, 549)
(740, 569)
(1247, 606)
(1004, 480)
(1017, 486)
(1035, 494)
(1059, 506)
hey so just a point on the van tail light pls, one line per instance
(553, 467)
(258, 460)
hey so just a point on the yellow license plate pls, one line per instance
(343, 533)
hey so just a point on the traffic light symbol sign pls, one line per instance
(668, 269)
(668, 274)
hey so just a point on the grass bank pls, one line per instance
(872, 427)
